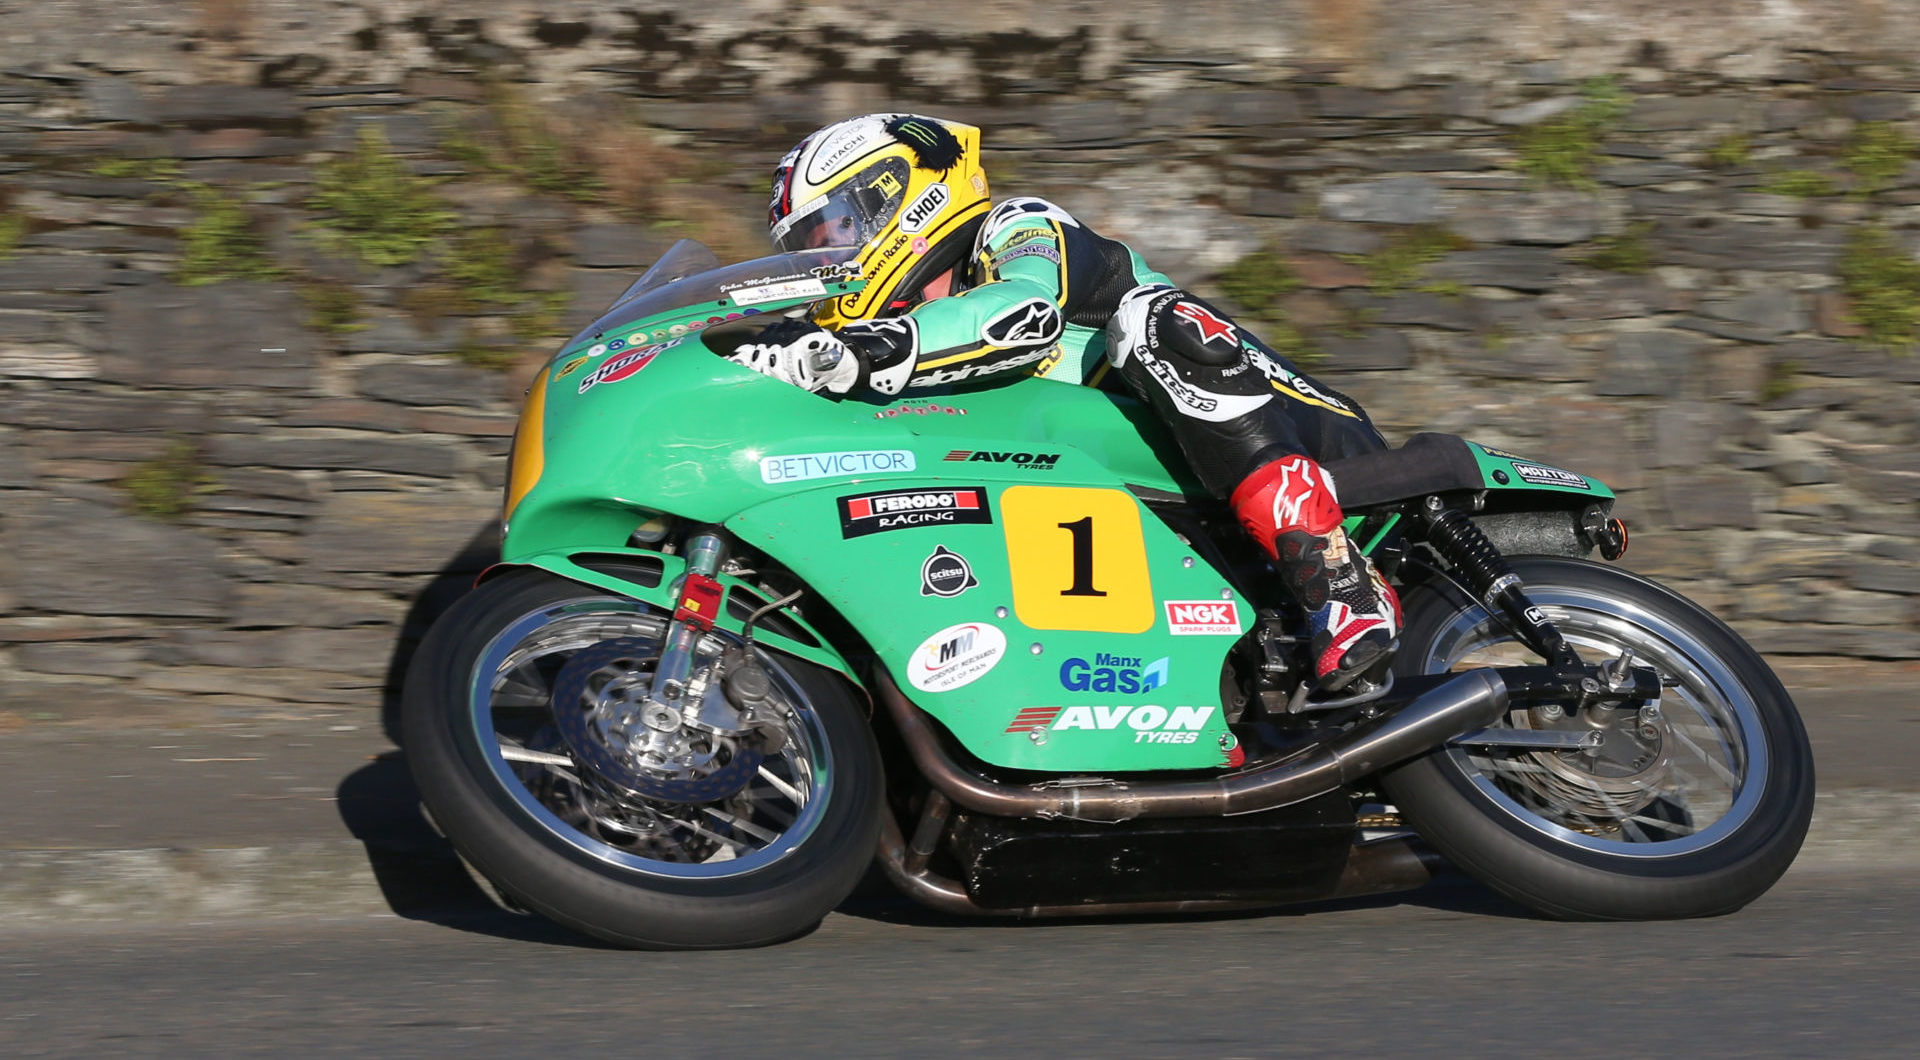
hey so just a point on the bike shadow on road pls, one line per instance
(1450, 891)
(453, 580)
(418, 872)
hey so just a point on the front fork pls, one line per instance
(698, 597)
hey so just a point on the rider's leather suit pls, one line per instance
(1044, 296)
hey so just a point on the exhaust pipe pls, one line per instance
(1395, 863)
(1468, 701)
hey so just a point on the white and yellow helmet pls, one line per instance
(908, 190)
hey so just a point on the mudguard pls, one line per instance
(799, 639)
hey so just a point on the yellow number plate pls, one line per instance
(1078, 559)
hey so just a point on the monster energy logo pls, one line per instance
(919, 132)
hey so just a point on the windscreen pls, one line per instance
(730, 290)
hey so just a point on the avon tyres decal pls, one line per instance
(1112, 673)
(1024, 461)
(955, 656)
(799, 467)
(1150, 723)
(873, 513)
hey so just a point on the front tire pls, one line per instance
(760, 865)
(1695, 810)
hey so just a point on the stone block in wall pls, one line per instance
(1591, 437)
(1712, 244)
(1776, 559)
(1903, 578)
(61, 554)
(1683, 434)
(1878, 106)
(405, 533)
(1376, 349)
(401, 456)
(1606, 296)
(366, 651)
(405, 133)
(1417, 308)
(1535, 111)
(1686, 113)
(80, 410)
(1864, 642)
(426, 383)
(56, 272)
(1642, 174)
(1648, 363)
(387, 333)
(1697, 501)
(1515, 268)
(1331, 238)
(1770, 311)
(1552, 218)
(270, 605)
(216, 105)
(1539, 358)
(93, 659)
(225, 335)
(1394, 200)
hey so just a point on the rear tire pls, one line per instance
(1706, 822)
(642, 873)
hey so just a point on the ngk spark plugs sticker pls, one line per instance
(779, 470)
(873, 513)
(955, 656)
(1187, 618)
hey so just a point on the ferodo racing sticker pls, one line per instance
(874, 513)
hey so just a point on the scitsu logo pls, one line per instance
(1187, 618)
(955, 656)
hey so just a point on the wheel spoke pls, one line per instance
(793, 794)
(740, 824)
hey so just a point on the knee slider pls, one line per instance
(1195, 330)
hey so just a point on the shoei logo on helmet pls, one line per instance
(924, 209)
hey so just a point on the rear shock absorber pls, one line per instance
(1485, 572)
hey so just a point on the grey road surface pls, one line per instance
(1824, 966)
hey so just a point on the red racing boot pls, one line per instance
(1290, 509)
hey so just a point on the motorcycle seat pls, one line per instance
(1428, 463)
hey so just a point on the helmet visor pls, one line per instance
(849, 215)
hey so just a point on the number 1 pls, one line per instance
(1082, 531)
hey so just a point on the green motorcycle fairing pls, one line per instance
(985, 544)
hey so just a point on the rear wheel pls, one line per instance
(1690, 806)
(732, 829)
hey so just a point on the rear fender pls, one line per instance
(649, 577)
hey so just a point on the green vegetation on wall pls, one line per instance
(171, 484)
(370, 203)
(223, 242)
(1883, 282)
(1876, 155)
(1626, 251)
(1401, 264)
(1565, 149)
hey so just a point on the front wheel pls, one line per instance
(739, 827)
(1689, 806)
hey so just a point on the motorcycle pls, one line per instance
(746, 640)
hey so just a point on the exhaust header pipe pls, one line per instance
(1471, 700)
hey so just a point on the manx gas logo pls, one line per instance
(1029, 461)
(873, 513)
(1112, 673)
(1149, 723)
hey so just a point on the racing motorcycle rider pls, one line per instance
(962, 292)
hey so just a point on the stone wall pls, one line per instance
(1662, 314)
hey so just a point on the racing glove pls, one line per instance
(801, 353)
